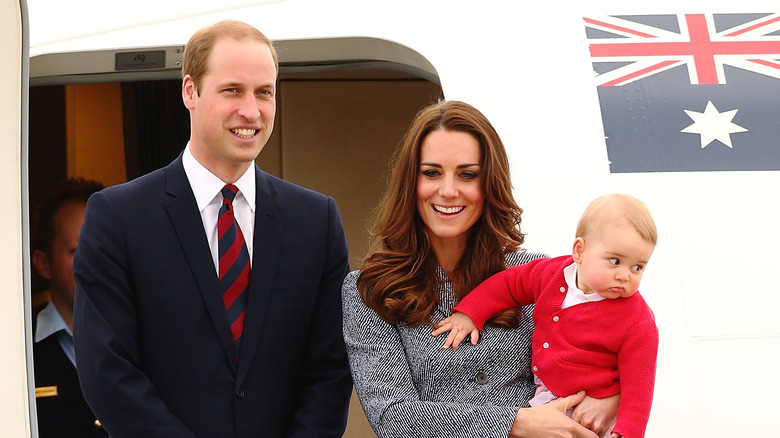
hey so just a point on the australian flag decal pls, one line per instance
(688, 92)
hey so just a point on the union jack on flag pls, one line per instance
(696, 42)
(688, 92)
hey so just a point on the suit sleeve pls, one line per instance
(106, 333)
(327, 383)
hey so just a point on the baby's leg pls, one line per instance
(543, 396)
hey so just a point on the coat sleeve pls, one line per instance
(106, 333)
(327, 384)
(386, 389)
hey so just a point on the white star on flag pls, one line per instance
(713, 125)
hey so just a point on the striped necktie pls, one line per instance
(234, 267)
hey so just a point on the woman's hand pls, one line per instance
(597, 414)
(550, 420)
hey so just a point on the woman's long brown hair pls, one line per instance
(398, 279)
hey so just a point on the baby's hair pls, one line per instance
(631, 209)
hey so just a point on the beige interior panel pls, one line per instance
(338, 139)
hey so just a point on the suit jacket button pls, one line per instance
(240, 393)
(482, 378)
(98, 424)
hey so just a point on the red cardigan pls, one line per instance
(604, 347)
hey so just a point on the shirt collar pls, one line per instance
(50, 322)
(570, 274)
(206, 186)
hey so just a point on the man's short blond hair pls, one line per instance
(195, 61)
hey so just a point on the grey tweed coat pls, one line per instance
(409, 386)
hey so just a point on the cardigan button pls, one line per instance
(562, 289)
(546, 345)
(481, 378)
(556, 318)
(240, 393)
(98, 424)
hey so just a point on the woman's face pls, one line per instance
(449, 186)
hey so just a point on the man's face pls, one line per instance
(233, 114)
(67, 226)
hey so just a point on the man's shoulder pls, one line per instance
(286, 191)
(147, 189)
(48, 357)
(152, 180)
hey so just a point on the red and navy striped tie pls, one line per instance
(234, 267)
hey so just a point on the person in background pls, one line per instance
(62, 411)
(207, 298)
(447, 221)
(594, 331)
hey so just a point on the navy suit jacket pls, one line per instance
(153, 347)
(65, 414)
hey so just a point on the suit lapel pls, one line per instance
(183, 211)
(266, 247)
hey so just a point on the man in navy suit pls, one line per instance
(161, 350)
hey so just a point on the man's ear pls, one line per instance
(42, 265)
(578, 249)
(188, 92)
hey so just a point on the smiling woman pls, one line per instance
(449, 191)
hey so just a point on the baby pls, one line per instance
(594, 331)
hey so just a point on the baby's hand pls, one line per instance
(459, 325)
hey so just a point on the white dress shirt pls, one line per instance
(51, 323)
(207, 188)
(574, 295)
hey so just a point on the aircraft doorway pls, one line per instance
(335, 132)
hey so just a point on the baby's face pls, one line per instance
(611, 262)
